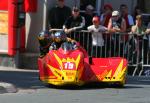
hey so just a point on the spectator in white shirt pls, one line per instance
(97, 39)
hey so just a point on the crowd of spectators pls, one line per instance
(110, 20)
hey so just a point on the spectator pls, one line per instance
(58, 15)
(139, 30)
(128, 18)
(148, 29)
(104, 18)
(147, 43)
(106, 15)
(74, 23)
(137, 11)
(116, 23)
(88, 15)
(97, 38)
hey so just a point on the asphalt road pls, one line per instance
(26, 88)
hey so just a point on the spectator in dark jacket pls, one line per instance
(58, 15)
(128, 18)
(88, 15)
(137, 11)
(74, 23)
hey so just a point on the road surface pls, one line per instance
(23, 86)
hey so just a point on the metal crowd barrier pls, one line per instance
(135, 48)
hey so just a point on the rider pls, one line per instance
(58, 38)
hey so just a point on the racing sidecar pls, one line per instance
(73, 66)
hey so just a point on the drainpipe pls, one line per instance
(98, 6)
(45, 15)
(141, 4)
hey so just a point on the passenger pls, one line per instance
(128, 18)
(74, 23)
(97, 39)
(58, 15)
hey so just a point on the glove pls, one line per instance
(74, 45)
(53, 47)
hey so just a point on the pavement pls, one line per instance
(7, 88)
(12, 79)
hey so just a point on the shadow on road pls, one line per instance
(21, 79)
(91, 86)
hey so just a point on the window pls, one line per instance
(84, 3)
(95, 3)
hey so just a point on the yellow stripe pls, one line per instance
(55, 71)
(77, 61)
(121, 73)
(119, 69)
(59, 60)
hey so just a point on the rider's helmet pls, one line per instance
(44, 37)
(59, 36)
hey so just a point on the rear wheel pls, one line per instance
(119, 85)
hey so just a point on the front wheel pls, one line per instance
(120, 84)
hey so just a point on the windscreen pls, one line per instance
(66, 46)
